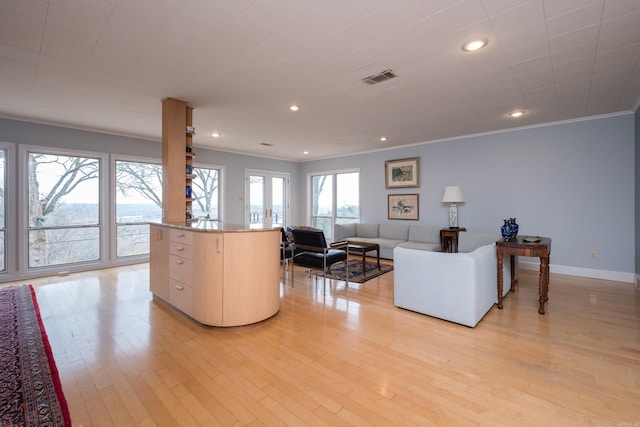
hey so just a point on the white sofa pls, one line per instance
(458, 287)
(390, 236)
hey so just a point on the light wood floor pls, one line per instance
(348, 357)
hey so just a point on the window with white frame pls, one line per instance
(334, 199)
(3, 223)
(138, 201)
(63, 209)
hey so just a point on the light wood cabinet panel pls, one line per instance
(181, 269)
(209, 278)
(251, 266)
(159, 271)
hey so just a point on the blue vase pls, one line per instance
(506, 230)
(513, 227)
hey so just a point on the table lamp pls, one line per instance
(453, 194)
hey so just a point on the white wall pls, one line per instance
(573, 182)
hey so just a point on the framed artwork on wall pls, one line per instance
(402, 206)
(402, 173)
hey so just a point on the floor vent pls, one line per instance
(380, 77)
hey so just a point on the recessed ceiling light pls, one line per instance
(216, 134)
(516, 114)
(383, 138)
(294, 108)
(475, 44)
(305, 152)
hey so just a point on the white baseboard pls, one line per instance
(617, 276)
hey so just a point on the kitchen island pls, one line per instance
(218, 274)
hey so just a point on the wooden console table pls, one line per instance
(518, 247)
(449, 239)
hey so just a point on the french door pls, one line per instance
(266, 198)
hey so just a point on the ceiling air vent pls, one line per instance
(266, 144)
(380, 77)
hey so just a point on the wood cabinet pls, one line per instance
(219, 278)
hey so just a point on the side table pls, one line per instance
(449, 239)
(516, 246)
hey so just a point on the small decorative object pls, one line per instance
(453, 194)
(510, 229)
(513, 226)
(402, 173)
(188, 191)
(188, 148)
(189, 214)
(191, 130)
(189, 169)
(402, 206)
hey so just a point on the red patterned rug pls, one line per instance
(30, 389)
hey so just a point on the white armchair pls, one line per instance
(459, 287)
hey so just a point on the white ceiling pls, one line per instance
(106, 65)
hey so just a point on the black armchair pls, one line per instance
(311, 251)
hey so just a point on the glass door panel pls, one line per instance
(267, 193)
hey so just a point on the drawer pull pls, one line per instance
(179, 287)
(179, 262)
(180, 248)
(180, 234)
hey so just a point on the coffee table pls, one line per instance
(361, 248)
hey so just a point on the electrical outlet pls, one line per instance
(593, 254)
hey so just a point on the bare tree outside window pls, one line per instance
(63, 209)
(138, 201)
(205, 191)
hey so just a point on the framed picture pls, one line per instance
(403, 206)
(402, 173)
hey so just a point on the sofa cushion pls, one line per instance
(394, 231)
(343, 231)
(424, 246)
(367, 230)
(424, 233)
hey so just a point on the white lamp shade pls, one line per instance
(452, 194)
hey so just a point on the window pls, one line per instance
(138, 201)
(334, 200)
(63, 209)
(268, 196)
(206, 191)
(3, 229)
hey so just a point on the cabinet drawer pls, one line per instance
(181, 296)
(181, 249)
(180, 269)
(176, 235)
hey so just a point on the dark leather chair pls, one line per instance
(287, 250)
(311, 251)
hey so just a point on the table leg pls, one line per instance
(512, 260)
(364, 262)
(543, 282)
(499, 257)
(378, 256)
